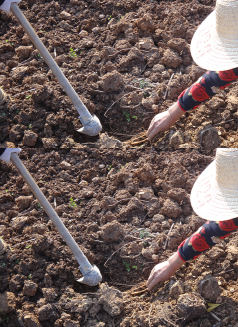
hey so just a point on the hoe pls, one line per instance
(91, 274)
(91, 124)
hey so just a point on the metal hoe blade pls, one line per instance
(91, 274)
(91, 124)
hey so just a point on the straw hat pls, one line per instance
(214, 195)
(215, 43)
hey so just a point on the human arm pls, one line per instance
(211, 233)
(164, 120)
(5, 153)
(207, 86)
(164, 270)
(5, 5)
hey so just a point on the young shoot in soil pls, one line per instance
(127, 265)
(127, 115)
(72, 53)
(72, 203)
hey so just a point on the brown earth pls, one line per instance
(119, 57)
(119, 200)
(119, 205)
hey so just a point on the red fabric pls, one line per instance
(198, 243)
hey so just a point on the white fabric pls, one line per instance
(6, 156)
(7, 5)
(214, 195)
(215, 43)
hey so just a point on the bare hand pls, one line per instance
(164, 120)
(161, 272)
(160, 123)
(164, 270)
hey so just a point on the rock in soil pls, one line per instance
(7, 303)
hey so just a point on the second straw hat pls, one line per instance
(214, 195)
(215, 43)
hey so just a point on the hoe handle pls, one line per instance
(85, 266)
(85, 115)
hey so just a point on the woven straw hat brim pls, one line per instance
(210, 51)
(211, 202)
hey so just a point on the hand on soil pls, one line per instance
(164, 120)
(161, 272)
(164, 270)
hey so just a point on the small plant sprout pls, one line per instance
(143, 233)
(135, 117)
(143, 83)
(39, 205)
(3, 264)
(28, 246)
(30, 126)
(28, 96)
(72, 203)
(17, 261)
(127, 115)
(109, 17)
(30, 276)
(39, 55)
(134, 267)
(127, 265)
(109, 168)
(72, 53)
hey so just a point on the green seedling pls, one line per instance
(134, 267)
(28, 246)
(109, 168)
(135, 117)
(39, 205)
(3, 264)
(5, 319)
(17, 111)
(143, 83)
(17, 261)
(30, 276)
(127, 265)
(3, 114)
(28, 96)
(39, 55)
(127, 115)
(72, 53)
(30, 126)
(143, 233)
(72, 203)
(109, 17)
(9, 42)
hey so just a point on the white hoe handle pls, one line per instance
(85, 267)
(92, 125)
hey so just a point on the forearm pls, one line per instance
(205, 237)
(175, 261)
(206, 87)
(175, 112)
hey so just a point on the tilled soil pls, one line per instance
(127, 60)
(126, 204)
(127, 209)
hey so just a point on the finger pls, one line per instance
(152, 283)
(150, 127)
(150, 279)
(152, 132)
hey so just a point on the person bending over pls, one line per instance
(214, 197)
(214, 47)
